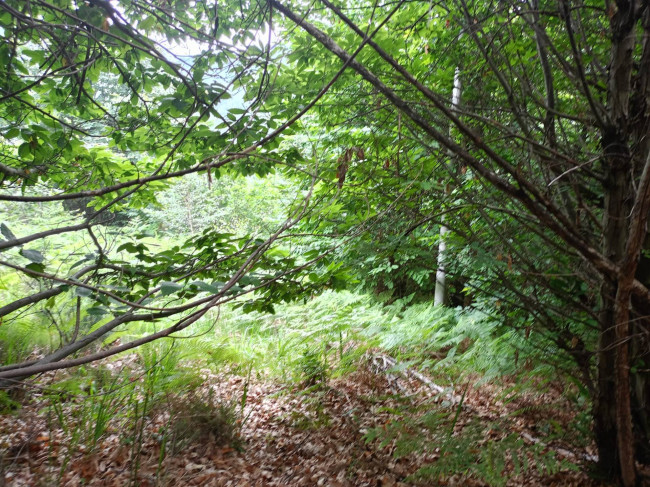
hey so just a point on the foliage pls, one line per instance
(312, 369)
(20, 340)
(540, 169)
(241, 206)
(97, 401)
(474, 449)
(525, 182)
(103, 115)
(161, 391)
(306, 343)
(297, 342)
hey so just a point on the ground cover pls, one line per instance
(369, 427)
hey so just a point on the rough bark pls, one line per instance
(617, 208)
(640, 387)
(604, 408)
(636, 236)
(621, 245)
(640, 326)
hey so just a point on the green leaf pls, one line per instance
(234, 290)
(129, 247)
(25, 150)
(168, 287)
(147, 23)
(204, 286)
(97, 311)
(88, 257)
(12, 133)
(36, 267)
(83, 292)
(4, 229)
(33, 255)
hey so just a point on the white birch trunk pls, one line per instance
(440, 291)
(441, 277)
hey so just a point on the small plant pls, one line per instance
(313, 417)
(312, 369)
(197, 415)
(8, 404)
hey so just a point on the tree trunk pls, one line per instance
(604, 408)
(624, 420)
(624, 435)
(440, 292)
(640, 326)
(640, 378)
(618, 204)
(623, 235)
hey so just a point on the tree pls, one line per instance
(101, 106)
(555, 119)
(549, 136)
(441, 277)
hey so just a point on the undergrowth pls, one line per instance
(201, 416)
(305, 345)
(463, 447)
(124, 398)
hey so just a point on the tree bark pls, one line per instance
(621, 244)
(636, 235)
(440, 291)
(604, 407)
(618, 203)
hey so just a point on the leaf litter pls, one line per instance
(285, 436)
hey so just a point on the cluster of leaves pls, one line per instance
(241, 206)
(499, 259)
(102, 110)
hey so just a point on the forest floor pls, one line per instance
(329, 435)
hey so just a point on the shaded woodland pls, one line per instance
(350, 243)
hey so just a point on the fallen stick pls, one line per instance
(390, 362)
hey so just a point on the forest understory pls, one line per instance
(371, 427)
(279, 242)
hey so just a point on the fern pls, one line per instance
(23, 335)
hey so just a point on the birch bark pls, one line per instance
(440, 292)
